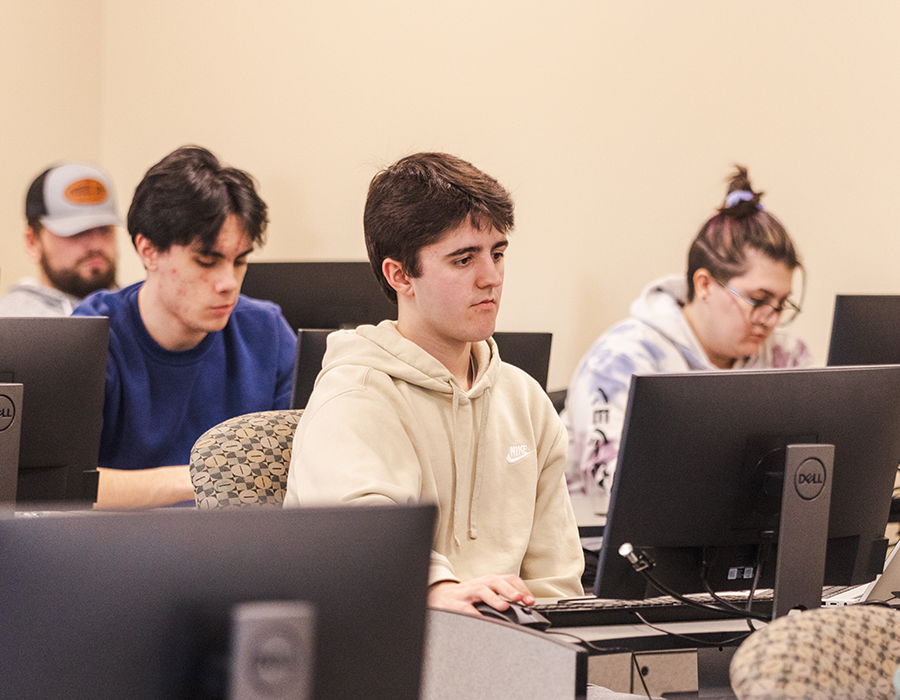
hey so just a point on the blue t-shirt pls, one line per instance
(158, 402)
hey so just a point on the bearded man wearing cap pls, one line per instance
(71, 236)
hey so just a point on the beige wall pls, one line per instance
(614, 124)
(50, 98)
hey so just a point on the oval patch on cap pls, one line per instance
(86, 192)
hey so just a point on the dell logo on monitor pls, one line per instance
(7, 412)
(809, 479)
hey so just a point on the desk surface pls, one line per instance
(653, 633)
(590, 513)
(589, 509)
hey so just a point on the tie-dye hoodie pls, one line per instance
(655, 339)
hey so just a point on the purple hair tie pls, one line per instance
(740, 196)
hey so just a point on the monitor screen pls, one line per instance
(697, 485)
(138, 605)
(865, 330)
(61, 363)
(320, 294)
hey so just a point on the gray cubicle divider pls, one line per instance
(475, 657)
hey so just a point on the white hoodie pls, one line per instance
(388, 423)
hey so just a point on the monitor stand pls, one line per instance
(273, 646)
(803, 528)
(10, 433)
(800, 565)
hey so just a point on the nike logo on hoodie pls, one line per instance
(517, 453)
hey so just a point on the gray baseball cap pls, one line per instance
(72, 197)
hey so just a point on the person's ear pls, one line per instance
(33, 245)
(703, 283)
(147, 252)
(395, 275)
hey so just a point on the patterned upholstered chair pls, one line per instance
(838, 653)
(244, 461)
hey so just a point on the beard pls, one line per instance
(77, 285)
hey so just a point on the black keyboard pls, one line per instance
(590, 612)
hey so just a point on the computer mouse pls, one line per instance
(516, 613)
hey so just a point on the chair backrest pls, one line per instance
(244, 460)
(835, 653)
(527, 351)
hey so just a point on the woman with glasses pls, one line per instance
(726, 313)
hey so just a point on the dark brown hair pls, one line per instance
(35, 207)
(415, 201)
(187, 196)
(741, 223)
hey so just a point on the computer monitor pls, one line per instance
(320, 294)
(529, 351)
(61, 363)
(865, 330)
(138, 605)
(699, 476)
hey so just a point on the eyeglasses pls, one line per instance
(761, 312)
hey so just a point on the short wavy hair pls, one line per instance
(415, 201)
(186, 198)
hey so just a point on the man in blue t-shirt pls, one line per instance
(186, 350)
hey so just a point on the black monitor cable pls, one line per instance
(750, 594)
(641, 563)
(728, 604)
(762, 553)
(695, 640)
(715, 596)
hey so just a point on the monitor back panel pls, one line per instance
(137, 605)
(61, 363)
(865, 330)
(527, 351)
(320, 294)
(684, 482)
(311, 346)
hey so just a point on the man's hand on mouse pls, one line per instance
(493, 590)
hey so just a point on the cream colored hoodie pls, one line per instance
(388, 423)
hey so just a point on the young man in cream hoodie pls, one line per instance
(423, 409)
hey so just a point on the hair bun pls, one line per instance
(738, 196)
(741, 200)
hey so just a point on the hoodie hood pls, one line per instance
(382, 348)
(660, 307)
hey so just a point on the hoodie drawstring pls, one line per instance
(453, 452)
(479, 453)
